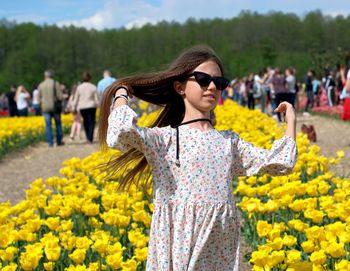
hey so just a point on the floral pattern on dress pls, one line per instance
(195, 223)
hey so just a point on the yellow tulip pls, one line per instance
(289, 240)
(8, 254)
(83, 242)
(114, 260)
(276, 258)
(276, 243)
(263, 228)
(29, 261)
(49, 266)
(10, 267)
(115, 248)
(52, 223)
(259, 258)
(52, 249)
(336, 250)
(78, 256)
(141, 254)
(129, 265)
(293, 256)
(137, 238)
(343, 265)
(308, 246)
(318, 257)
(315, 215)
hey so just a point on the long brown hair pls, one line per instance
(156, 88)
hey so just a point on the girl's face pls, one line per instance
(202, 98)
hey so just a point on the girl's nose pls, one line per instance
(212, 86)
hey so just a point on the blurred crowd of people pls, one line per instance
(263, 90)
(267, 88)
(51, 98)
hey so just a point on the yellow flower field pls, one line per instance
(79, 222)
(18, 132)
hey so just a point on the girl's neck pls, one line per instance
(202, 125)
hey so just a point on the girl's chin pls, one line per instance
(207, 108)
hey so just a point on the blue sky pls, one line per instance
(100, 14)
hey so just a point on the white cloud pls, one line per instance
(118, 13)
(139, 22)
(335, 13)
(136, 13)
(101, 19)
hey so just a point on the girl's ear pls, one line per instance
(179, 88)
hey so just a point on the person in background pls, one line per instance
(250, 90)
(86, 100)
(291, 85)
(76, 125)
(12, 105)
(243, 92)
(345, 95)
(22, 98)
(316, 89)
(65, 97)
(3, 102)
(49, 91)
(338, 83)
(280, 90)
(269, 89)
(298, 87)
(309, 91)
(36, 100)
(235, 88)
(329, 85)
(259, 84)
(230, 90)
(105, 82)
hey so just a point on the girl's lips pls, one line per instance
(209, 96)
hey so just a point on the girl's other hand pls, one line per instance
(288, 109)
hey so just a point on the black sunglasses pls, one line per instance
(204, 79)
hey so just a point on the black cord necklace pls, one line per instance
(178, 137)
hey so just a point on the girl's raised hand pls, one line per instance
(287, 108)
(124, 90)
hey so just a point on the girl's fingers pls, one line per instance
(282, 107)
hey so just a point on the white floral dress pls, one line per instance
(195, 223)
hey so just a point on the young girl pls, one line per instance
(195, 224)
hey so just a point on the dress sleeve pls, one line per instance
(251, 160)
(123, 134)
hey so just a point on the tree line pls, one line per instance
(245, 43)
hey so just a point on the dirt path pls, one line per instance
(332, 135)
(19, 169)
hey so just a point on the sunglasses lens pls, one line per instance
(221, 83)
(202, 79)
